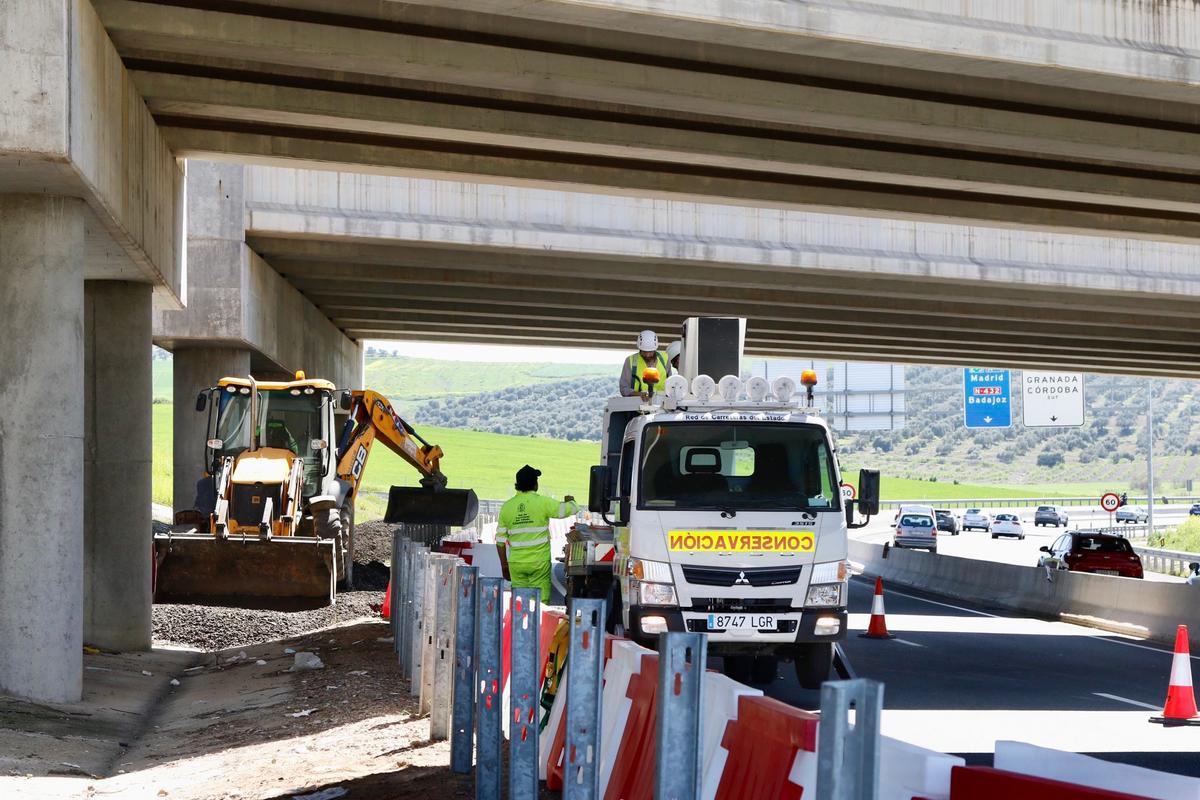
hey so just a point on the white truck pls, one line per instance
(727, 518)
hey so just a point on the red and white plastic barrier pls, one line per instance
(1056, 765)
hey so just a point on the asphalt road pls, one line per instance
(958, 678)
(979, 545)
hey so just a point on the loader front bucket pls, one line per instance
(431, 506)
(285, 572)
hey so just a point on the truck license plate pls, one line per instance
(749, 622)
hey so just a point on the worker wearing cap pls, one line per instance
(647, 357)
(523, 532)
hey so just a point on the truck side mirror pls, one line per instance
(598, 489)
(202, 401)
(868, 492)
(345, 400)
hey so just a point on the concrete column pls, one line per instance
(117, 470)
(41, 446)
(194, 370)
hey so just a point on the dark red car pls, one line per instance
(1098, 553)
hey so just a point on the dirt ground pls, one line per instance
(217, 712)
(239, 730)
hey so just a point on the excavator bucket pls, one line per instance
(245, 571)
(431, 506)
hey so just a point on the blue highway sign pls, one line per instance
(987, 400)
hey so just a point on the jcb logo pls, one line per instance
(360, 460)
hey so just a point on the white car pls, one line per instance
(976, 519)
(1007, 525)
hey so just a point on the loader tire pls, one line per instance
(338, 524)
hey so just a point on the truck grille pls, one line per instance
(729, 576)
(761, 605)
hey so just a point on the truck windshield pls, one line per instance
(737, 466)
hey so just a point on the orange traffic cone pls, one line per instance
(386, 611)
(1180, 708)
(877, 629)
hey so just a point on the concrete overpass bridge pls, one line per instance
(1076, 118)
(1077, 115)
(403, 258)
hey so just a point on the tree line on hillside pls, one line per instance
(569, 409)
(1114, 431)
(1114, 428)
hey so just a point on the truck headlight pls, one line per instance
(824, 595)
(656, 594)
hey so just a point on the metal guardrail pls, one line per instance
(1023, 502)
(1168, 562)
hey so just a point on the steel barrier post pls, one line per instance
(681, 665)
(490, 621)
(416, 639)
(524, 695)
(395, 569)
(848, 758)
(462, 728)
(585, 663)
(429, 632)
(414, 609)
(402, 604)
(443, 650)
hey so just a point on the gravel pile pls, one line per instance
(219, 627)
(373, 541)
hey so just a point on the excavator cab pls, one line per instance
(273, 522)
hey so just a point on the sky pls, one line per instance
(501, 353)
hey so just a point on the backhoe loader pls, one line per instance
(273, 519)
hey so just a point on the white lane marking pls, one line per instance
(865, 582)
(910, 644)
(1120, 699)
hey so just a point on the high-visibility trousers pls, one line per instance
(534, 575)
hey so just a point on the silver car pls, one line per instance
(1134, 515)
(916, 530)
(976, 519)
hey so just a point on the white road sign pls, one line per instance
(1052, 399)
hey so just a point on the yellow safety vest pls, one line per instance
(524, 525)
(637, 366)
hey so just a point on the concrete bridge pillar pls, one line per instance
(41, 446)
(197, 369)
(117, 599)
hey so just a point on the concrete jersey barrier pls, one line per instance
(1127, 605)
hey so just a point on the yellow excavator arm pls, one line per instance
(372, 419)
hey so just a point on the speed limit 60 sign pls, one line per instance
(1110, 502)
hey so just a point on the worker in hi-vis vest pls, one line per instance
(648, 356)
(523, 532)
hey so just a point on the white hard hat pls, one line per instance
(647, 341)
(672, 351)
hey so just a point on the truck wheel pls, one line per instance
(813, 663)
(764, 670)
(739, 668)
(614, 623)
